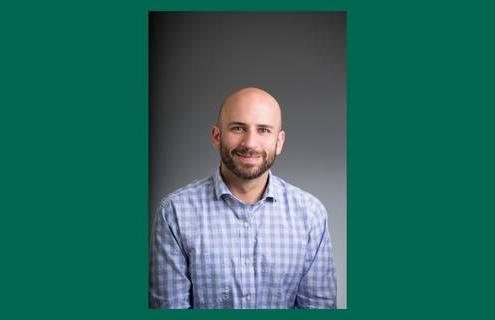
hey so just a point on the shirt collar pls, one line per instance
(271, 191)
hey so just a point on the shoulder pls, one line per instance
(302, 199)
(192, 192)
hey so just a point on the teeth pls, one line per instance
(247, 156)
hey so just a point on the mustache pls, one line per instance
(248, 152)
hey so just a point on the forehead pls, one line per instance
(252, 108)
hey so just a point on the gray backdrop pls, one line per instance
(198, 59)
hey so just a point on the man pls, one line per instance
(243, 238)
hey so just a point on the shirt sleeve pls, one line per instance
(170, 284)
(318, 287)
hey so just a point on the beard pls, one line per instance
(243, 170)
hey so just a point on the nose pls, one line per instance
(249, 139)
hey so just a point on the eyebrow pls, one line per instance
(236, 123)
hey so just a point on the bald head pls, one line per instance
(257, 102)
(248, 134)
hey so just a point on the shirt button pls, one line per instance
(248, 298)
(246, 225)
(248, 261)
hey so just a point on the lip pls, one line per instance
(248, 159)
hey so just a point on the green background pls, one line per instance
(73, 130)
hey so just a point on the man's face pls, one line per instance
(244, 162)
(248, 134)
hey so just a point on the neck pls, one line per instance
(247, 190)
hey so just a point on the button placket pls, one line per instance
(249, 258)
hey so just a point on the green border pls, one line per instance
(73, 123)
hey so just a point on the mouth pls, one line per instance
(248, 158)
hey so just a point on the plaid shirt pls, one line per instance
(211, 250)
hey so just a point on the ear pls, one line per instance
(280, 141)
(215, 136)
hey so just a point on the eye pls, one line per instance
(264, 130)
(237, 129)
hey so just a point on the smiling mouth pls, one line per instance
(248, 157)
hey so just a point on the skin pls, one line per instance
(249, 137)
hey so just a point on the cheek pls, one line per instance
(270, 146)
(229, 141)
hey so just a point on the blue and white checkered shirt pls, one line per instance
(211, 250)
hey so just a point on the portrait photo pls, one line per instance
(247, 160)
